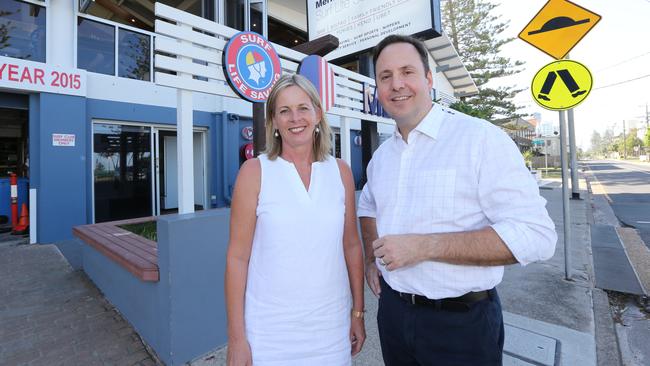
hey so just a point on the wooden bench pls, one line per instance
(136, 254)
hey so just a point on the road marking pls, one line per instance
(643, 222)
(627, 166)
(601, 187)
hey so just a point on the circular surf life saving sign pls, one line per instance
(251, 66)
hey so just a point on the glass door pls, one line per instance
(122, 171)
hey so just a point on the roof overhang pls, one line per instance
(449, 63)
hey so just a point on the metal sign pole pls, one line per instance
(565, 198)
(575, 185)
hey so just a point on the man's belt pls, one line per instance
(461, 303)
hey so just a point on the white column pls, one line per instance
(184, 122)
(32, 216)
(346, 154)
(60, 33)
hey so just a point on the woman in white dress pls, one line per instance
(294, 272)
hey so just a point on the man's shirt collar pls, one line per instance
(430, 124)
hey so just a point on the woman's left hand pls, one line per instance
(357, 334)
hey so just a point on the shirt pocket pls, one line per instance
(433, 195)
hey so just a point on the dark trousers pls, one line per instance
(420, 335)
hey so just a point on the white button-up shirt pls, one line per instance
(456, 173)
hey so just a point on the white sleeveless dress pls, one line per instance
(298, 301)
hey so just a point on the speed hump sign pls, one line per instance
(561, 85)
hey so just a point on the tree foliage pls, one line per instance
(475, 32)
(623, 145)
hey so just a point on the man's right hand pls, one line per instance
(239, 354)
(372, 276)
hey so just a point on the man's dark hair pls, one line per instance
(398, 38)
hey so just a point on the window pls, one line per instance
(137, 13)
(134, 60)
(22, 30)
(121, 171)
(95, 46)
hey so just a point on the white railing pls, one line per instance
(196, 45)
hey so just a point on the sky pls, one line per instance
(617, 49)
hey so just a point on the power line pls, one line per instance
(626, 60)
(623, 82)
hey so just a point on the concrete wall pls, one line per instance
(192, 261)
(183, 315)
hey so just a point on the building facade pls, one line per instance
(84, 123)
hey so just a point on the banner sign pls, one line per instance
(33, 76)
(361, 24)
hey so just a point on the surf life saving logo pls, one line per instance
(251, 66)
(320, 73)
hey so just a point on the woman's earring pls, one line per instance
(276, 134)
(317, 130)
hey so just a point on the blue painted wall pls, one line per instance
(63, 175)
(182, 316)
(58, 173)
(194, 274)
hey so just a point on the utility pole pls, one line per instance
(647, 116)
(624, 142)
(566, 214)
(575, 189)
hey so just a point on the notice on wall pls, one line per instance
(33, 76)
(361, 24)
(63, 139)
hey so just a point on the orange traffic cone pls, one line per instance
(23, 221)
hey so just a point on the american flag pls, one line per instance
(320, 73)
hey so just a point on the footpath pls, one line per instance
(53, 315)
(549, 321)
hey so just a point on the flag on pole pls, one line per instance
(320, 73)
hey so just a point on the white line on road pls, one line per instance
(627, 166)
(643, 222)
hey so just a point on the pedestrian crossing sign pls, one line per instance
(558, 27)
(561, 85)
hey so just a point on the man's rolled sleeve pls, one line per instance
(366, 206)
(510, 198)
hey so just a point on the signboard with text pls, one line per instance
(63, 139)
(33, 76)
(361, 24)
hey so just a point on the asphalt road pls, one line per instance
(628, 189)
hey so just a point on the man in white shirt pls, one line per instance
(448, 203)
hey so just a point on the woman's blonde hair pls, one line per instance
(322, 142)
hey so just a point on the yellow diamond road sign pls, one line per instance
(558, 27)
(561, 85)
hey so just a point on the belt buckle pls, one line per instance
(412, 299)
